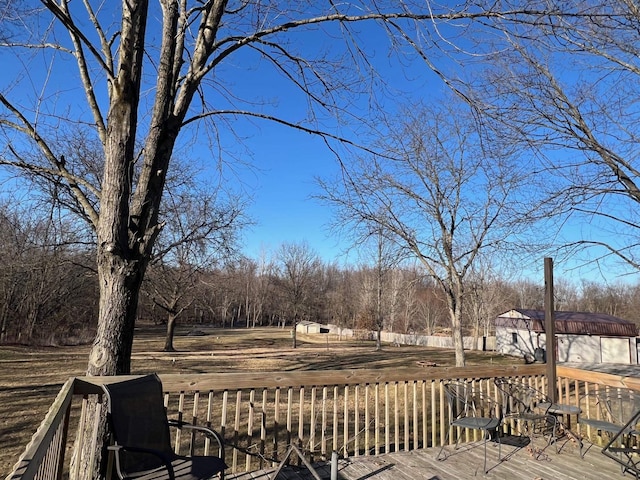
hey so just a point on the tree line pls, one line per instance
(529, 124)
(49, 295)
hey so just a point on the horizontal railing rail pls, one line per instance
(352, 412)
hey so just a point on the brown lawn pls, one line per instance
(31, 377)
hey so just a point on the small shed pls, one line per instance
(306, 326)
(580, 336)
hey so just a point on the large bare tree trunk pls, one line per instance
(121, 267)
(119, 286)
(111, 352)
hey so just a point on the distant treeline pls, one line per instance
(49, 293)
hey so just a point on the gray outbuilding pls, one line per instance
(581, 337)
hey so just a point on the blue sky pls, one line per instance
(284, 162)
(282, 205)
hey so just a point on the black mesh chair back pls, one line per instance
(521, 399)
(142, 441)
(139, 421)
(528, 409)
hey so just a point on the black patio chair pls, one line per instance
(142, 439)
(473, 409)
(527, 409)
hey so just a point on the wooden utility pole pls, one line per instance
(550, 330)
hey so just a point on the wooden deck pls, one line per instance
(347, 410)
(467, 462)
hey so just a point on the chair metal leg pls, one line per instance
(487, 436)
(553, 436)
(446, 439)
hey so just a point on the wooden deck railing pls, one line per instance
(354, 412)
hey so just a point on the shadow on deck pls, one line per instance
(518, 463)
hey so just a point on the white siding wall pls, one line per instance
(525, 342)
(579, 348)
(571, 348)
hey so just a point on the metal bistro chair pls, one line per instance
(616, 413)
(528, 409)
(606, 412)
(142, 441)
(473, 409)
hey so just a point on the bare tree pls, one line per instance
(169, 288)
(565, 295)
(528, 294)
(299, 266)
(341, 304)
(406, 309)
(262, 287)
(444, 192)
(612, 299)
(140, 90)
(385, 256)
(47, 289)
(217, 294)
(12, 16)
(484, 300)
(200, 230)
(135, 90)
(564, 87)
(431, 308)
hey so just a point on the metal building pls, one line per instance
(581, 337)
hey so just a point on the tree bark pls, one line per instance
(121, 259)
(171, 329)
(458, 339)
(294, 340)
(454, 301)
(111, 352)
(119, 289)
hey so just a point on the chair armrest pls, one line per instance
(208, 432)
(124, 448)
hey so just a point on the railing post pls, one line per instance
(550, 330)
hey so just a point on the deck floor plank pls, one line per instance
(466, 462)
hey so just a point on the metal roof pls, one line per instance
(576, 323)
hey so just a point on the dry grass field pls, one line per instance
(31, 377)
